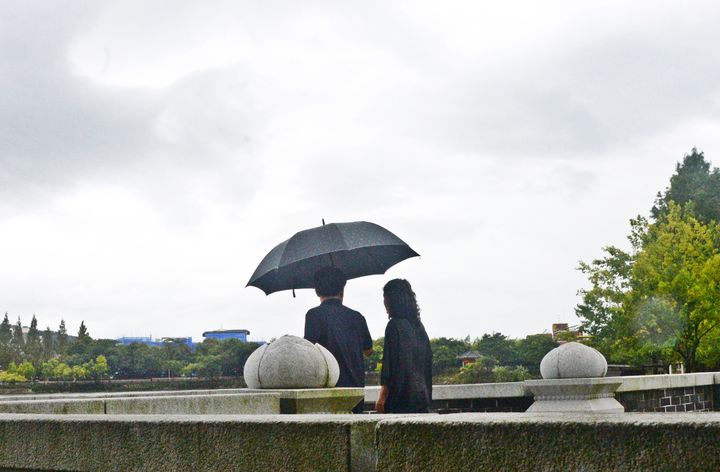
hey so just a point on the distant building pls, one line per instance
(559, 328)
(222, 334)
(469, 357)
(573, 332)
(148, 341)
(128, 340)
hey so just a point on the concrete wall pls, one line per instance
(197, 443)
(631, 441)
(217, 404)
(457, 442)
(643, 393)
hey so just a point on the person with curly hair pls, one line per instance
(406, 376)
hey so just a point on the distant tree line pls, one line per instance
(54, 355)
(501, 359)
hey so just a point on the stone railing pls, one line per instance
(643, 393)
(465, 441)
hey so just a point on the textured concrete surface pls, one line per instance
(95, 395)
(290, 362)
(657, 382)
(56, 407)
(317, 400)
(174, 443)
(465, 391)
(462, 442)
(571, 361)
(518, 441)
(229, 404)
(238, 403)
(594, 395)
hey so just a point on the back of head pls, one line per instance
(329, 282)
(400, 299)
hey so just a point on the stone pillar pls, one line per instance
(303, 374)
(574, 381)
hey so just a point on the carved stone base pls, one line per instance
(589, 395)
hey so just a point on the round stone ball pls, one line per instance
(573, 361)
(291, 362)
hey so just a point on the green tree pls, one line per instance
(693, 181)
(25, 369)
(497, 346)
(504, 373)
(48, 345)
(18, 342)
(82, 345)
(33, 346)
(5, 342)
(532, 349)
(62, 338)
(373, 363)
(479, 371)
(98, 368)
(677, 275)
(446, 351)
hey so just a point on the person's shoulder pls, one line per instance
(352, 312)
(315, 311)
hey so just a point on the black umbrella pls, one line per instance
(359, 248)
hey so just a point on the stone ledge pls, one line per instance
(634, 383)
(316, 400)
(470, 441)
(465, 391)
(198, 443)
(519, 441)
(243, 403)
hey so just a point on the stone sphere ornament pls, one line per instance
(291, 362)
(573, 361)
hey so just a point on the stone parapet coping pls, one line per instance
(519, 389)
(465, 391)
(635, 383)
(466, 441)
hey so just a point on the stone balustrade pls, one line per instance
(642, 393)
(458, 442)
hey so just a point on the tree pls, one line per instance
(18, 341)
(478, 371)
(497, 346)
(62, 338)
(48, 345)
(82, 345)
(695, 182)
(532, 349)
(5, 339)
(446, 351)
(83, 334)
(675, 288)
(33, 347)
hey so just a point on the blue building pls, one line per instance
(127, 340)
(222, 334)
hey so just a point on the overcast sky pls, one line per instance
(152, 152)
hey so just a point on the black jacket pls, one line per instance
(344, 333)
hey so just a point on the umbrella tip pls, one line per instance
(323, 220)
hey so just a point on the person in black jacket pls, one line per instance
(406, 376)
(341, 330)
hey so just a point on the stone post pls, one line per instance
(574, 381)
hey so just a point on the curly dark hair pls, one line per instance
(401, 300)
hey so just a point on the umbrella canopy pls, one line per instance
(359, 248)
